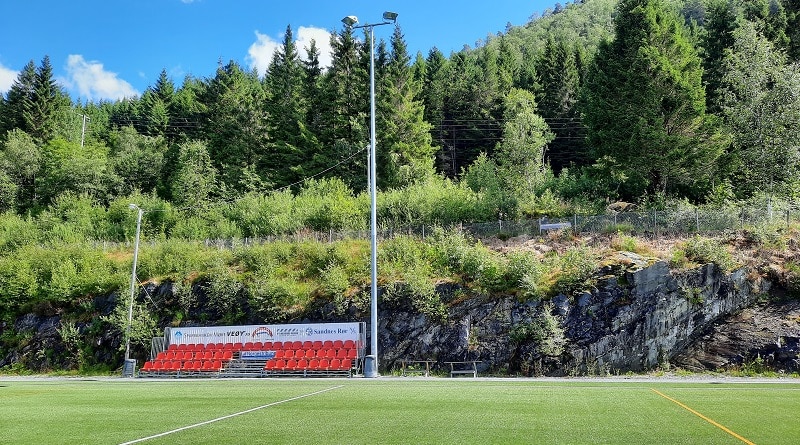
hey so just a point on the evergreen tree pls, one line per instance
(284, 84)
(721, 19)
(645, 104)
(558, 104)
(346, 110)
(46, 103)
(792, 8)
(762, 108)
(433, 94)
(157, 102)
(404, 151)
(17, 99)
(236, 128)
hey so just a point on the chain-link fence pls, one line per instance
(654, 223)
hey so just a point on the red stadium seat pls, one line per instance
(270, 365)
(248, 346)
(183, 347)
(349, 344)
(335, 364)
(346, 364)
(280, 364)
(330, 354)
(238, 346)
(208, 355)
(307, 344)
(148, 366)
(173, 347)
(227, 347)
(352, 354)
(313, 364)
(227, 355)
(158, 366)
(337, 344)
(266, 346)
(302, 365)
(187, 365)
(291, 364)
(197, 365)
(324, 364)
(161, 355)
(297, 344)
(341, 353)
(218, 354)
(327, 344)
(277, 345)
(316, 345)
(310, 353)
(300, 353)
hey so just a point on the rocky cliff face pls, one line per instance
(636, 319)
(641, 315)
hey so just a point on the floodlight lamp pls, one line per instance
(350, 20)
(388, 15)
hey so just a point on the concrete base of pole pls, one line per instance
(129, 368)
(370, 367)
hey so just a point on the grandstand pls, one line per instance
(307, 350)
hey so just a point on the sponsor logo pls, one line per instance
(262, 332)
(287, 332)
(178, 335)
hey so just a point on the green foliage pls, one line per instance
(564, 274)
(174, 259)
(545, 330)
(702, 250)
(142, 328)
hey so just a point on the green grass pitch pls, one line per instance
(396, 411)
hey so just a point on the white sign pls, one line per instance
(263, 333)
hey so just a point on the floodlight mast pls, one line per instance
(371, 369)
(133, 280)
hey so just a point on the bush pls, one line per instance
(702, 251)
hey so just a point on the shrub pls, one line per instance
(701, 250)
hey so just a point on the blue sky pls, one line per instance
(109, 49)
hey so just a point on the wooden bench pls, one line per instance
(465, 367)
(409, 367)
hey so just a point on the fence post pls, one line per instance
(697, 219)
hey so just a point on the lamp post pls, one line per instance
(371, 365)
(128, 367)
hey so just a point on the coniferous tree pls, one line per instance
(284, 84)
(346, 110)
(404, 153)
(157, 103)
(558, 102)
(236, 129)
(761, 105)
(792, 8)
(45, 105)
(721, 19)
(645, 104)
(17, 99)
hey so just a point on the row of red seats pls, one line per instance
(185, 366)
(308, 365)
(191, 355)
(265, 346)
(308, 354)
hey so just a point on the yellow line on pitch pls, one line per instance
(722, 427)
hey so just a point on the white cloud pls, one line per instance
(7, 78)
(93, 82)
(259, 55)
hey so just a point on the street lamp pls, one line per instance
(371, 364)
(127, 369)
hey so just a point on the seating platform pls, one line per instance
(257, 359)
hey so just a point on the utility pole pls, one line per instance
(83, 129)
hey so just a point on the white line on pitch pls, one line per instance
(230, 415)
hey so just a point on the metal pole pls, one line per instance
(133, 281)
(83, 129)
(373, 208)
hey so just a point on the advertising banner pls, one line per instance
(263, 333)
